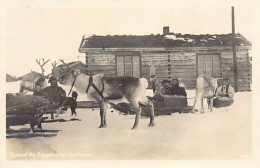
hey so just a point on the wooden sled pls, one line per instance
(27, 109)
(222, 103)
(170, 104)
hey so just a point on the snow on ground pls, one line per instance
(224, 133)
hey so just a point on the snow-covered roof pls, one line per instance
(169, 40)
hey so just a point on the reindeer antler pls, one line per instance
(62, 61)
(42, 64)
(53, 64)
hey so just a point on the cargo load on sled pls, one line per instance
(27, 109)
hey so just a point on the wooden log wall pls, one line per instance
(184, 67)
(180, 63)
(243, 67)
(157, 59)
(169, 64)
(101, 62)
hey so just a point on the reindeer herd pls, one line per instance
(105, 90)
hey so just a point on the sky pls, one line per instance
(53, 30)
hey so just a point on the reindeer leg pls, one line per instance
(102, 114)
(211, 104)
(151, 124)
(137, 110)
(101, 118)
(195, 101)
(193, 108)
(201, 107)
(32, 126)
(137, 116)
(208, 102)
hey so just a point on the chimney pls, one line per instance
(166, 30)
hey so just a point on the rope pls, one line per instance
(72, 84)
(90, 83)
(182, 97)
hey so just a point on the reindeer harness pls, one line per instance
(91, 83)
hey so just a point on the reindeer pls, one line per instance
(104, 90)
(206, 87)
(35, 78)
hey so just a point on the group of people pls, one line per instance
(223, 96)
(56, 94)
(168, 87)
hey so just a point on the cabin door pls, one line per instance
(209, 64)
(128, 66)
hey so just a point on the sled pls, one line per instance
(22, 136)
(222, 103)
(27, 109)
(170, 104)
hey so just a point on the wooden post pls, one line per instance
(234, 50)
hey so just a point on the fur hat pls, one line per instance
(52, 78)
(175, 78)
(165, 81)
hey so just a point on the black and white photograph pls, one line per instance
(120, 83)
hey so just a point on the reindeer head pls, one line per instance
(42, 64)
(65, 75)
(41, 81)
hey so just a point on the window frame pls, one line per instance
(132, 55)
(212, 66)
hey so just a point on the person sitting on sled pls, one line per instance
(224, 95)
(164, 89)
(54, 92)
(175, 89)
(38, 90)
(161, 90)
(169, 88)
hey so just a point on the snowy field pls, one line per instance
(224, 133)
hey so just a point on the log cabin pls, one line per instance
(185, 56)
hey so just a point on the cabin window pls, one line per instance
(128, 65)
(209, 64)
